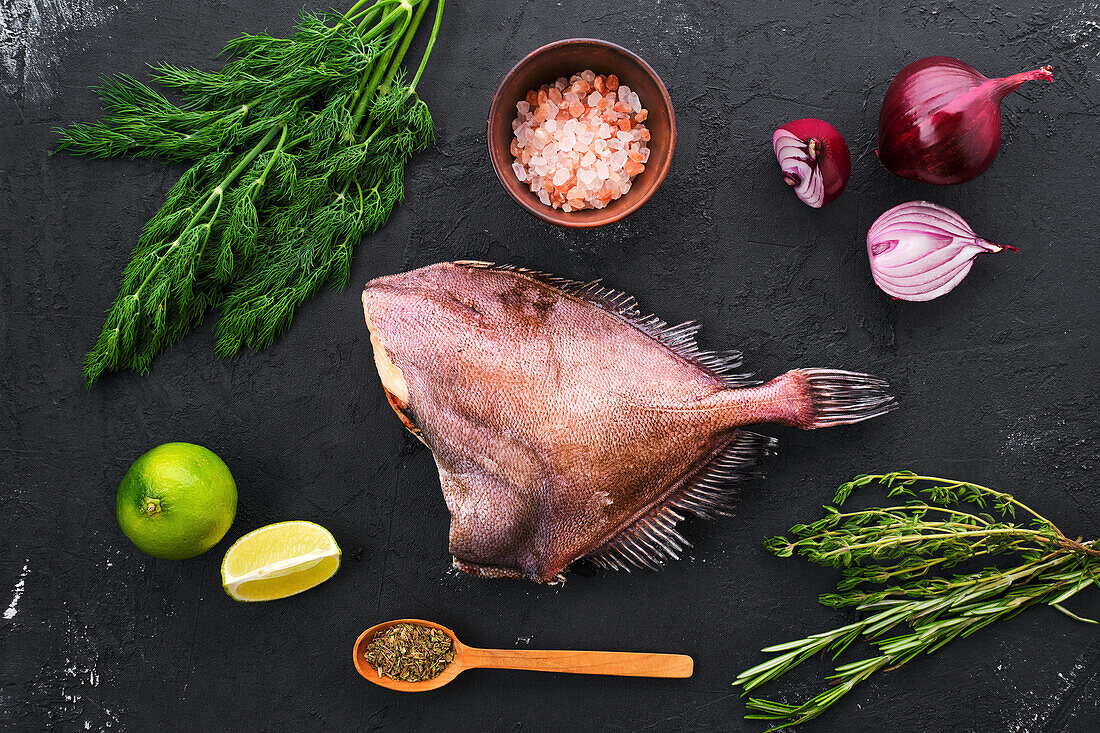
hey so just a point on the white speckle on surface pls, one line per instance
(17, 593)
(1078, 27)
(523, 640)
(31, 35)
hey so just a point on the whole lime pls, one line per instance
(176, 501)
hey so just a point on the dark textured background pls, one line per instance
(997, 380)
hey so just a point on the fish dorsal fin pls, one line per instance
(680, 338)
(652, 539)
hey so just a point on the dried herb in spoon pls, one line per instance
(410, 652)
(890, 557)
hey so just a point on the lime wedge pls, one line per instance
(279, 560)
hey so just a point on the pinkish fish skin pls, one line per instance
(564, 424)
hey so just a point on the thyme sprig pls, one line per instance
(297, 149)
(887, 557)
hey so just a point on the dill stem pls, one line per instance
(366, 15)
(431, 44)
(216, 193)
(274, 154)
(404, 48)
(381, 84)
(367, 92)
(350, 14)
(369, 83)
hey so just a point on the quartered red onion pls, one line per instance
(814, 158)
(920, 250)
(941, 119)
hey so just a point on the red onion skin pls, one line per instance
(941, 119)
(832, 156)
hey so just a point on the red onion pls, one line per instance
(814, 158)
(941, 119)
(920, 250)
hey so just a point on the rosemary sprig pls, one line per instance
(297, 149)
(887, 556)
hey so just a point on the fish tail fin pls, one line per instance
(816, 398)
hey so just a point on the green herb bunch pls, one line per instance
(297, 149)
(889, 557)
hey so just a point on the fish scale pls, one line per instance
(566, 424)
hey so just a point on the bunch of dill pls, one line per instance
(297, 149)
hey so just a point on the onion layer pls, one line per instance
(941, 119)
(814, 158)
(920, 250)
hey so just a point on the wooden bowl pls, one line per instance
(565, 58)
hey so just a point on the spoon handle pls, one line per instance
(630, 664)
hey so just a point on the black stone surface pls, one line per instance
(997, 380)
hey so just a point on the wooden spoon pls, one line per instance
(576, 662)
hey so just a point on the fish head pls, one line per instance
(421, 320)
(425, 317)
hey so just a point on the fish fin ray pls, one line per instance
(653, 539)
(678, 338)
(841, 397)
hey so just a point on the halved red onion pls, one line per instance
(814, 158)
(920, 250)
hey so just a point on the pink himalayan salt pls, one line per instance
(579, 141)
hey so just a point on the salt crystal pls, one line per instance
(618, 158)
(588, 75)
(586, 175)
(522, 107)
(566, 208)
(624, 92)
(550, 125)
(634, 101)
(584, 136)
(594, 99)
(588, 159)
(519, 170)
(645, 155)
(544, 198)
(561, 175)
(602, 170)
(624, 136)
